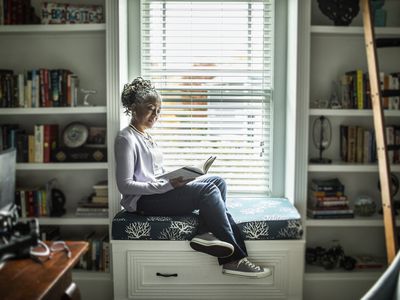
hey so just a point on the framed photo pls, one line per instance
(97, 136)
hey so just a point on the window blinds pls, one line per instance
(213, 64)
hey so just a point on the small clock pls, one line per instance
(75, 135)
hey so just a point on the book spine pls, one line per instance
(390, 141)
(28, 90)
(360, 144)
(39, 140)
(360, 89)
(46, 143)
(23, 203)
(343, 142)
(31, 148)
(366, 146)
(21, 91)
(351, 148)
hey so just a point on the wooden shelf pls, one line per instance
(70, 219)
(78, 274)
(39, 28)
(374, 221)
(349, 168)
(319, 273)
(62, 166)
(350, 112)
(54, 110)
(353, 30)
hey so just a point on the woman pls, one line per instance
(139, 161)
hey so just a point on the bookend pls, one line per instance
(57, 202)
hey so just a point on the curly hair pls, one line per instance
(138, 92)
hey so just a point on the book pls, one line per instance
(326, 185)
(369, 262)
(189, 172)
(100, 199)
(39, 143)
(329, 211)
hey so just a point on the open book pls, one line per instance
(189, 172)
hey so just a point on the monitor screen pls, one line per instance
(7, 179)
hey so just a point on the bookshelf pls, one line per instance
(329, 52)
(86, 50)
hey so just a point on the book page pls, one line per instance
(185, 173)
(189, 172)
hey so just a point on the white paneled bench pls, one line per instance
(152, 258)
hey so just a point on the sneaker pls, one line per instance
(209, 244)
(245, 268)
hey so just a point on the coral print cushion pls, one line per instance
(258, 219)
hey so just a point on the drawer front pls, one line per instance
(191, 275)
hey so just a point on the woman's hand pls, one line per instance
(178, 182)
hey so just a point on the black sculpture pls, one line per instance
(341, 12)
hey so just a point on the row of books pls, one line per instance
(33, 202)
(358, 144)
(327, 200)
(17, 12)
(355, 90)
(97, 258)
(32, 148)
(38, 88)
(65, 13)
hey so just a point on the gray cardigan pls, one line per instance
(136, 168)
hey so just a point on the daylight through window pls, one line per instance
(213, 64)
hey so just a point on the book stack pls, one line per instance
(97, 203)
(327, 200)
(100, 192)
(97, 258)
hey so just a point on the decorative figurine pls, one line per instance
(322, 137)
(364, 206)
(87, 93)
(341, 12)
(331, 258)
(334, 101)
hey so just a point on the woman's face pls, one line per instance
(147, 114)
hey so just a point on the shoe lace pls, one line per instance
(249, 264)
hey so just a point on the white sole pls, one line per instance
(216, 248)
(247, 274)
(214, 243)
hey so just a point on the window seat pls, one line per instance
(258, 219)
(152, 258)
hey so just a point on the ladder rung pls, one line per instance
(387, 42)
(390, 93)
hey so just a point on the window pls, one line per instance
(213, 64)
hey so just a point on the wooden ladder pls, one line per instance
(371, 45)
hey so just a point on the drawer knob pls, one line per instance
(167, 275)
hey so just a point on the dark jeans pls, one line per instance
(208, 195)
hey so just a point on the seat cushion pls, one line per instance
(257, 218)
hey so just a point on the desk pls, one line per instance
(26, 279)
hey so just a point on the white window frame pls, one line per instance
(279, 102)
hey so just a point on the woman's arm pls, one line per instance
(125, 167)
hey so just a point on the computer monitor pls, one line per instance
(8, 159)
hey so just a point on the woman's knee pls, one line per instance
(211, 194)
